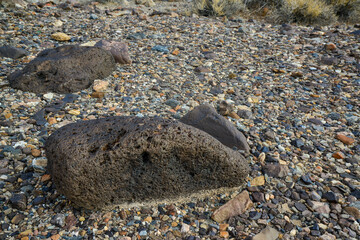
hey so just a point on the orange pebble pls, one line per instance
(338, 155)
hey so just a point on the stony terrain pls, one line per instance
(292, 90)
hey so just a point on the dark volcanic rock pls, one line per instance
(12, 52)
(119, 50)
(205, 117)
(64, 69)
(116, 160)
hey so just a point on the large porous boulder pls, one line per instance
(205, 117)
(65, 69)
(105, 162)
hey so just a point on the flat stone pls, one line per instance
(300, 206)
(234, 207)
(327, 236)
(115, 160)
(275, 170)
(63, 70)
(61, 37)
(330, 197)
(205, 118)
(119, 50)
(267, 233)
(345, 139)
(320, 207)
(12, 52)
(258, 181)
(353, 211)
(17, 218)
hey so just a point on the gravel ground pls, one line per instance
(292, 90)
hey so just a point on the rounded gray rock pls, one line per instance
(205, 118)
(116, 160)
(64, 69)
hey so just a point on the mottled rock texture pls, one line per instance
(115, 160)
(205, 117)
(64, 69)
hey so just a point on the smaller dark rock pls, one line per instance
(315, 121)
(209, 55)
(258, 197)
(160, 48)
(19, 201)
(357, 32)
(12, 52)
(172, 103)
(334, 116)
(297, 143)
(300, 206)
(254, 215)
(329, 61)
(330, 197)
(306, 179)
(205, 118)
(245, 114)
(315, 233)
(58, 220)
(38, 200)
(356, 193)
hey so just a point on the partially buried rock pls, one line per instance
(12, 52)
(63, 70)
(205, 117)
(119, 50)
(106, 162)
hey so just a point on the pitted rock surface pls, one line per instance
(115, 160)
(205, 117)
(63, 70)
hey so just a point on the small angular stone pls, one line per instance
(234, 207)
(338, 155)
(258, 196)
(345, 139)
(17, 218)
(330, 197)
(267, 233)
(353, 211)
(100, 85)
(300, 206)
(275, 170)
(258, 181)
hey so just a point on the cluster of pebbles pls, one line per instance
(294, 91)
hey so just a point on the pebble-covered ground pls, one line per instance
(295, 92)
